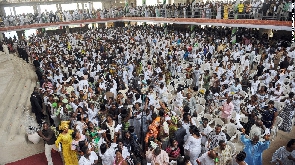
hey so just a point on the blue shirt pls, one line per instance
(254, 152)
(235, 88)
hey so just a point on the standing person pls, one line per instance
(65, 138)
(208, 158)
(196, 77)
(89, 157)
(36, 106)
(5, 48)
(119, 160)
(254, 148)
(193, 145)
(49, 138)
(215, 136)
(224, 152)
(157, 156)
(179, 136)
(283, 155)
(240, 158)
(227, 109)
(107, 152)
(269, 115)
(204, 129)
(288, 113)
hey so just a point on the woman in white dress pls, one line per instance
(254, 85)
(107, 154)
(92, 114)
(192, 145)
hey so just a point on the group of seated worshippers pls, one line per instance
(162, 94)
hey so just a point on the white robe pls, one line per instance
(5, 49)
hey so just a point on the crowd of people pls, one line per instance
(161, 95)
(278, 10)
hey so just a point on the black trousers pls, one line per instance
(39, 115)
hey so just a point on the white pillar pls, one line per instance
(14, 11)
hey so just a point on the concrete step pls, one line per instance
(12, 94)
(13, 82)
(22, 130)
(18, 113)
(10, 101)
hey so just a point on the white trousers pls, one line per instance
(48, 149)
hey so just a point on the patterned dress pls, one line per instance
(173, 152)
(70, 156)
(283, 154)
(224, 156)
(287, 116)
(215, 138)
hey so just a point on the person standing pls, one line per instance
(269, 115)
(65, 138)
(227, 109)
(192, 145)
(215, 136)
(284, 155)
(240, 158)
(89, 157)
(205, 129)
(224, 152)
(207, 158)
(49, 138)
(157, 156)
(254, 148)
(5, 48)
(288, 113)
(36, 103)
(179, 136)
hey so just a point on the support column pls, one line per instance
(35, 8)
(78, 6)
(2, 11)
(60, 7)
(67, 29)
(90, 5)
(14, 11)
(1, 36)
(20, 34)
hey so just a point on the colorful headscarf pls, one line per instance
(64, 125)
(174, 119)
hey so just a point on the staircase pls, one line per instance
(18, 80)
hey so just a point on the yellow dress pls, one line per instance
(225, 13)
(70, 156)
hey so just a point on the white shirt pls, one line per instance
(84, 161)
(109, 156)
(205, 159)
